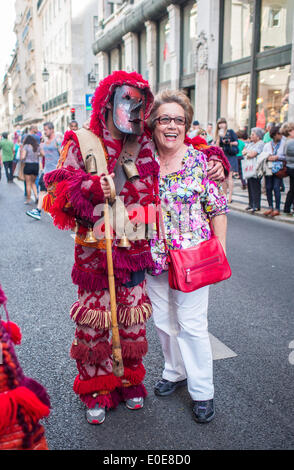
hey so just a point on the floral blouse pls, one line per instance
(188, 200)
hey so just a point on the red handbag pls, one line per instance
(198, 266)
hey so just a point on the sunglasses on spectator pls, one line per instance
(164, 120)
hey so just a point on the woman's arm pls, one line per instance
(23, 154)
(219, 224)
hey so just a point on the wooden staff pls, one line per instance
(118, 368)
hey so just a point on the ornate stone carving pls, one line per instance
(201, 52)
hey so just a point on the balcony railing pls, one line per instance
(54, 102)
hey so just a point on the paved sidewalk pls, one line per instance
(240, 202)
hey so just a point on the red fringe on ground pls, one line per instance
(133, 392)
(20, 396)
(135, 376)
(102, 382)
(109, 401)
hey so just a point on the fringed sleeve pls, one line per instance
(72, 193)
(216, 153)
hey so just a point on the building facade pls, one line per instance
(68, 63)
(234, 58)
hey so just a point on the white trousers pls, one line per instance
(181, 323)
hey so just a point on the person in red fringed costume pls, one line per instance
(23, 401)
(121, 104)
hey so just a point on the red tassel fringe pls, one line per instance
(103, 382)
(14, 331)
(97, 354)
(134, 350)
(20, 396)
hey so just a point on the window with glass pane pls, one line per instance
(164, 57)
(235, 95)
(143, 56)
(238, 29)
(276, 23)
(114, 60)
(123, 56)
(273, 96)
(189, 37)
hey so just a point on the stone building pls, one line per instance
(67, 62)
(234, 58)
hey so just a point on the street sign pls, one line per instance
(88, 102)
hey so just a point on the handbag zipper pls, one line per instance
(200, 266)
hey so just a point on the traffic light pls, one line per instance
(73, 114)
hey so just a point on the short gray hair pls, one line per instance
(258, 131)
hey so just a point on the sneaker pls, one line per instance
(164, 387)
(96, 415)
(203, 411)
(135, 403)
(35, 213)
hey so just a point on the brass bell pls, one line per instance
(131, 170)
(90, 164)
(90, 237)
(124, 242)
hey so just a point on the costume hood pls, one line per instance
(105, 90)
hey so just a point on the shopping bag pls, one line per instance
(249, 167)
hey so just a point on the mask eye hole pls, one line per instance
(127, 97)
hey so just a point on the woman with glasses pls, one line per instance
(189, 201)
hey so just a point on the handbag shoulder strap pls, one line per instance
(91, 146)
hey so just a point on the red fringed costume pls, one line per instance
(73, 195)
(23, 401)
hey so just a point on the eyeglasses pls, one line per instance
(165, 120)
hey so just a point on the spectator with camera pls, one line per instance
(227, 139)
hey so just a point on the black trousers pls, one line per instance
(9, 170)
(254, 192)
(290, 195)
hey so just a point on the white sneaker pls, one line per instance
(95, 415)
(135, 403)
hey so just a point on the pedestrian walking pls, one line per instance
(250, 152)
(189, 200)
(7, 155)
(30, 154)
(210, 136)
(267, 138)
(193, 132)
(288, 131)
(50, 150)
(275, 156)
(242, 141)
(228, 141)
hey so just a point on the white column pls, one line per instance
(151, 51)
(174, 15)
(207, 61)
(131, 52)
(102, 58)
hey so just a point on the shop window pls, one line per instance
(235, 97)
(238, 29)
(143, 55)
(189, 37)
(164, 51)
(114, 60)
(276, 23)
(273, 96)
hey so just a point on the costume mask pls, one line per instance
(128, 109)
